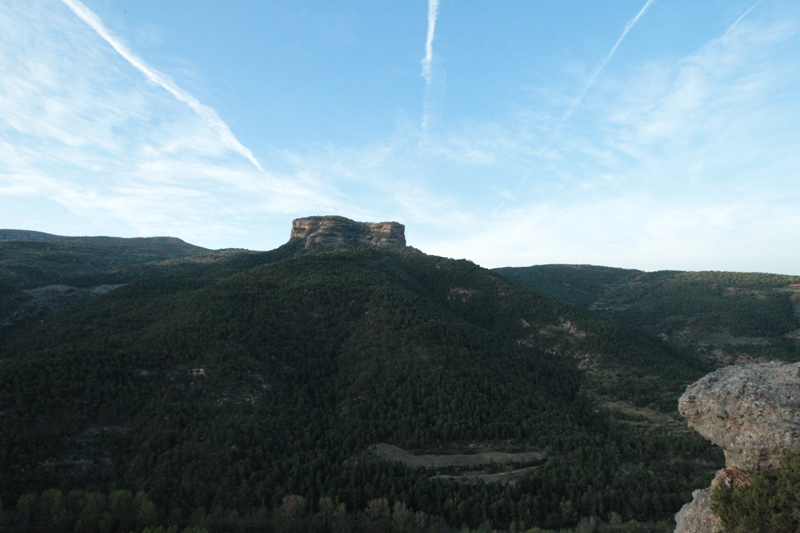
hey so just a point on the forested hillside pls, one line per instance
(250, 392)
(724, 317)
(42, 273)
(32, 259)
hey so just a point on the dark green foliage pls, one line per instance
(11, 299)
(41, 274)
(770, 502)
(741, 307)
(77, 511)
(220, 389)
(738, 313)
(28, 261)
(581, 285)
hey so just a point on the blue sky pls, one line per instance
(661, 134)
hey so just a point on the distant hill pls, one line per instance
(42, 273)
(26, 235)
(725, 317)
(248, 390)
(31, 259)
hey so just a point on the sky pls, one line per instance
(647, 134)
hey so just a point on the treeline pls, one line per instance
(125, 512)
(122, 511)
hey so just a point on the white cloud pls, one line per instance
(206, 113)
(688, 164)
(635, 231)
(714, 116)
(685, 164)
(81, 126)
(736, 23)
(606, 59)
(671, 168)
(433, 12)
(427, 66)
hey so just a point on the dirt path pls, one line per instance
(393, 453)
(488, 460)
(509, 477)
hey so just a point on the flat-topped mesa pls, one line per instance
(317, 231)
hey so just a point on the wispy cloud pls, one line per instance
(685, 162)
(95, 143)
(209, 116)
(433, 13)
(605, 60)
(427, 61)
(634, 231)
(732, 26)
(689, 163)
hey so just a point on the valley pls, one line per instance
(237, 391)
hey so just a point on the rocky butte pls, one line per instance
(752, 412)
(321, 230)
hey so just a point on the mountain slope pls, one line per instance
(42, 273)
(236, 384)
(724, 317)
(32, 259)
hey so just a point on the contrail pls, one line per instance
(743, 16)
(203, 111)
(433, 11)
(603, 63)
(427, 73)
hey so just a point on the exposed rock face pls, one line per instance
(752, 412)
(316, 231)
(696, 516)
(749, 411)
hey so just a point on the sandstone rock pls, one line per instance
(752, 412)
(696, 516)
(316, 231)
(749, 411)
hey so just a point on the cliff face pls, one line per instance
(750, 411)
(316, 231)
(753, 413)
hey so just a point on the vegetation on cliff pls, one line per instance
(768, 501)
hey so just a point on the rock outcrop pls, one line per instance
(696, 516)
(316, 231)
(752, 412)
(749, 411)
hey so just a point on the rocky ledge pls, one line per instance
(316, 231)
(752, 412)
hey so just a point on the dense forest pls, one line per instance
(241, 391)
(724, 317)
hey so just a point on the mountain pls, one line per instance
(316, 231)
(41, 273)
(723, 317)
(346, 385)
